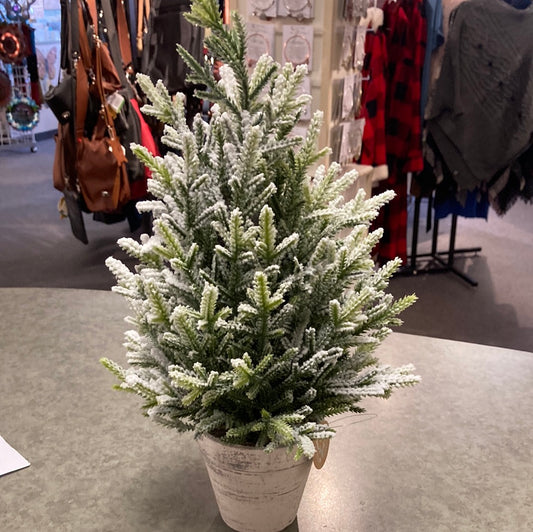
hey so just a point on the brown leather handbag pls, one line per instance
(101, 169)
(64, 169)
(100, 160)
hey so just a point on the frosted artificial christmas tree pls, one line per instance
(253, 320)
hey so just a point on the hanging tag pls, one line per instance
(322, 448)
(115, 102)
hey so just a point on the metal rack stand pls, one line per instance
(436, 261)
(10, 137)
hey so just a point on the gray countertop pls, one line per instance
(454, 453)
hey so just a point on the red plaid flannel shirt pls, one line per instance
(373, 99)
(406, 29)
(406, 43)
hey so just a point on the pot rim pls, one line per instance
(249, 448)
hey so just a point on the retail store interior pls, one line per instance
(38, 249)
(453, 452)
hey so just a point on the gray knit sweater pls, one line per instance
(481, 115)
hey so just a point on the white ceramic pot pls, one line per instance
(255, 491)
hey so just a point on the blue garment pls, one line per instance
(476, 205)
(435, 38)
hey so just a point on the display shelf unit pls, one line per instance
(9, 137)
(328, 27)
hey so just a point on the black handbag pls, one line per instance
(60, 99)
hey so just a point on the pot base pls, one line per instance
(255, 491)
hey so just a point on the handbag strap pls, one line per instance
(113, 38)
(70, 49)
(83, 40)
(82, 64)
(66, 37)
(104, 108)
(91, 4)
(82, 87)
(140, 14)
(123, 35)
(143, 14)
(114, 142)
(86, 65)
(131, 18)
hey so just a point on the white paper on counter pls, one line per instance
(10, 460)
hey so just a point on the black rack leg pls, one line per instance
(436, 256)
(435, 236)
(453, 233)
(414, 243)
(451, 255)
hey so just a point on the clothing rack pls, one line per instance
(436, 261)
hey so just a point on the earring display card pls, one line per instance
(298, 45)
(354, 9)
(349, 7)
(360, 7)
(359, 48)
(348, 98)
(337, 95)
(337, 38)
(356, 137)
(351, 141)
(348, 40)
(260, 41)
(262, 8)
(335, 138)
(357, 92)
(345, 149)
(298, 9)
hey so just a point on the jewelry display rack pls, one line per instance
(10, 137)
(308, 32)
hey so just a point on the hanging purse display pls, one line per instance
(127, 123)
(64, 167)
(61, 98)
(100, 160)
